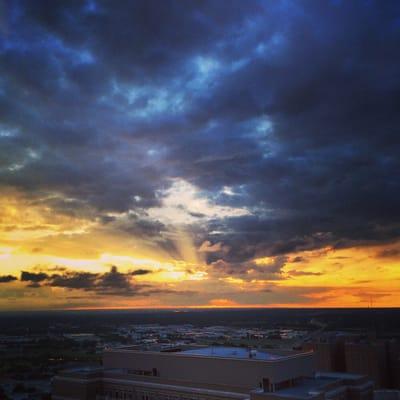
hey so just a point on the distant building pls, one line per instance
(209, 373)
(369, 359)
(377, 359)
(329, 355)
(387, 395)
(394, 364)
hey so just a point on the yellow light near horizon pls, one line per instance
(36, 238)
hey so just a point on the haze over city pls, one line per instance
(199, 154)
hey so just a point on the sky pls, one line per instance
(199, 154)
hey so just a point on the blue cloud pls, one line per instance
(293, 107)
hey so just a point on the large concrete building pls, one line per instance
(370, 359)
(377, 359)
(209, 373)
(329, 356)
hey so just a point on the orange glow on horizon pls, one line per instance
(36, 239)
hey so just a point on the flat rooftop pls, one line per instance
(307, 389)
(232, 352)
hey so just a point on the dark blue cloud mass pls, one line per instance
(290, 110)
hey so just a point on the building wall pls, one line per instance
(378, 359)
(368, 359)
(277, 396)
(234, 374)
(79, 389)
(322, 355)
(343, 388)
(145, 391)
(394, 364)
(329, 356)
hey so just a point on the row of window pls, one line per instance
(153, 372)
(121, 394)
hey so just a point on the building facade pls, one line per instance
(377, 359)
(214, 373)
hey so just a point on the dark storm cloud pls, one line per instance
(112, 283)
(152, 231)
(74, 280)
(294, 106)
(33, 277)
(7, 278)
(144, 227)
(141, 271)
(298, 259)
(249, 270)
(387, 253)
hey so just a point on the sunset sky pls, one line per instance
(199, 154)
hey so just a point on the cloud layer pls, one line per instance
(252, 129)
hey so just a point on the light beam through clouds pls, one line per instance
(185, 154)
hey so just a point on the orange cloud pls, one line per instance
(222, 303)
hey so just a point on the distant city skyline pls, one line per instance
(176, 154)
